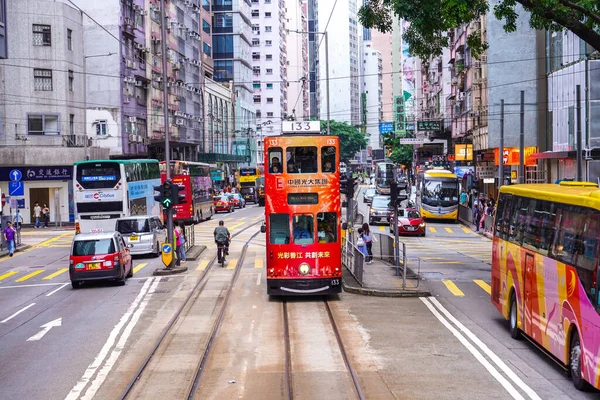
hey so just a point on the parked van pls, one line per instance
(96, 256)
(143, 233)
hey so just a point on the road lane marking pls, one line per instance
(236, 226)
(31, 275)
(432, 229)
(202, 266)
(7, 275)
(55, 274)
(476, 353)
(466, 230)
(227, 219)
(112, 338)
(17, 313)
(257, 218)
(138, 267)
(57, 289)
(509, 372)
(231, 264)
(453, 288)
(449, 230)
(258, 280)
(258, 263)
(116, 352)
(45, 329)
(483, 285)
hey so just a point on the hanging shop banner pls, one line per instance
(463, 152)
(511, 155)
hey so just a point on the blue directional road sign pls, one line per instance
(16, 189)
(166, 248)
(15, 175)
(167, 254)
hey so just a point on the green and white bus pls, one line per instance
(105, 190)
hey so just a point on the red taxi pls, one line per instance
(223, 203)
(238, 200)
(98, 256)
(410, 222)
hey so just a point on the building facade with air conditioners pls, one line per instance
(372, 72)
(298, 94)
(42, 105)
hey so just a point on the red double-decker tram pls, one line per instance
(302, 210)
(195, 178)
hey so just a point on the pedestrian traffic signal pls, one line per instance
(177, 195)
(167, 198)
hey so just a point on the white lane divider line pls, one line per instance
(17, 313)
(57, 289)
(112, 337)
(258, 279)
(478, 356)
(509, 372)
(114, 356)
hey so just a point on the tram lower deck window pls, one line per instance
(279, 228)
(303, 226)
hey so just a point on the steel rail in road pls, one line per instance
(219, 320)
(197, 289)
(288, 362)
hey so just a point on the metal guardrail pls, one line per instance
(353, 260)
(190, 236)
(465, 214)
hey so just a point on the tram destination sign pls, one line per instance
(429, 126)
(303, 198)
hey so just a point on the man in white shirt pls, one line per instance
(37, 213)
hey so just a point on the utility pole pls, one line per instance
(522, 141)
(163, 39)
(501, 152)
(579, 139)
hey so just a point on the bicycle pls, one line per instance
(221, 253)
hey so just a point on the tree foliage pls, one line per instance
(351, 140)
(401, 153)
(430, 20)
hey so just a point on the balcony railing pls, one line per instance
(74, 140)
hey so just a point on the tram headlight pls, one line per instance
(304, 269)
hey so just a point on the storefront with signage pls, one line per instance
(51, 185)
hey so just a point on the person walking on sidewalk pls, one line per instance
(18, 220)
(368, 237)
(9, 235)
(476, 216)
(37, 213)
(360, 242)
(177, 244)
(46, 215)
(183, 241)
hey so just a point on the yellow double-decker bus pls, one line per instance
(439, 195)
(247, 177)
(545, 255)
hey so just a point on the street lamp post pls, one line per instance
(326, 70)
(85, 145)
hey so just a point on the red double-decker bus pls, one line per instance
(195, 177)
(302, 210)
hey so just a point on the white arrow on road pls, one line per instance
(46, 328)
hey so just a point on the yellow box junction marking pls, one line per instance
(449, 230)
(483, 285)
(138, 267)
(7, 275)
(202, 266)
(453, 288)
(55, 274)
(258, 263)
(236, 226)
(231, 264)
(466, 230)
(432, 229)
(31, 275)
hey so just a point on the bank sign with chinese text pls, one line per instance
(48, 173)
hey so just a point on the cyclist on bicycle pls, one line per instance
(222, 236)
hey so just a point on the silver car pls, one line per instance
(144, 233)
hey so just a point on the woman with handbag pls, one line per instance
(361, 243)
(368, 237)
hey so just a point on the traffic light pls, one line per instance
(394, 192)
(158, 197)
(350, 188)
(177, 195)
(167, 195)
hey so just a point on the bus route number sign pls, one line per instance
(167, 254)
(301, 126)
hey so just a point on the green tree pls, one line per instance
(351, 140)
(430, 20)
(402, 154)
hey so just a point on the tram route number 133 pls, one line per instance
(299, 126)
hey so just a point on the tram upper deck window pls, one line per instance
(279, 228)
(275, 157)
(327, 227)
(301, 160)
(303, 226)
(328, 159)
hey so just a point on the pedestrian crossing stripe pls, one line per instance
(452, 288)
(55, 274)
(139, 267)
(202, 266)
(231, 264)
(31, 275)
(449, 230)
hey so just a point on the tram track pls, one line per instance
(289, 372)
(187, 304)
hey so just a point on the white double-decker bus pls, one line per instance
(109, 189)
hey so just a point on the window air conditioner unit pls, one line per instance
(128, 21)
(139, 46)
(146, 141)
(132, 138)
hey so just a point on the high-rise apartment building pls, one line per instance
(269, 64)
(314, 82)
(383, 43)
(297, 59)
(345, 45)
(372, 72)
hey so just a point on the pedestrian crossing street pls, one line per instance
(41, 275)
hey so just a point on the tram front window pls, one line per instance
(279, 228)
(328, 159)
(327, 227)
(301, 160)
(303, 229)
